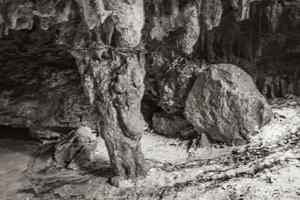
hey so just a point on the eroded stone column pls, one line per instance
(113, 74)
(115, 86)
(119, 103)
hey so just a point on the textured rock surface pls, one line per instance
(278, 80)
(113, 76)
(187, 18)
(237, 32)
(172, 126)
(173, 31)
(116, 87)
(40, 87)
(75, 150)
(263, 44)
(175, 87)
(225, 105)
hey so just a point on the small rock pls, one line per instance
(204, 141)
(76, 149)
(122, 182)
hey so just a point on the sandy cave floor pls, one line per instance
(266, 168)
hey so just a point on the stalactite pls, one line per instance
(101, 11)
(88, 13)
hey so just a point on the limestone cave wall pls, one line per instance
(131, 55)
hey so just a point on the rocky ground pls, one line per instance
(266, 168)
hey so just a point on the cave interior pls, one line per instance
(149, 99)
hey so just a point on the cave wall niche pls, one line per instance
(40, 85)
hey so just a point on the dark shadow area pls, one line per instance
(8, 132)
(17, 141)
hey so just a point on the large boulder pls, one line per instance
(225, 104)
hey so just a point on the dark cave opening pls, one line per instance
(39, 83)
(15, 133)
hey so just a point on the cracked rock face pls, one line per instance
(225, 105)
